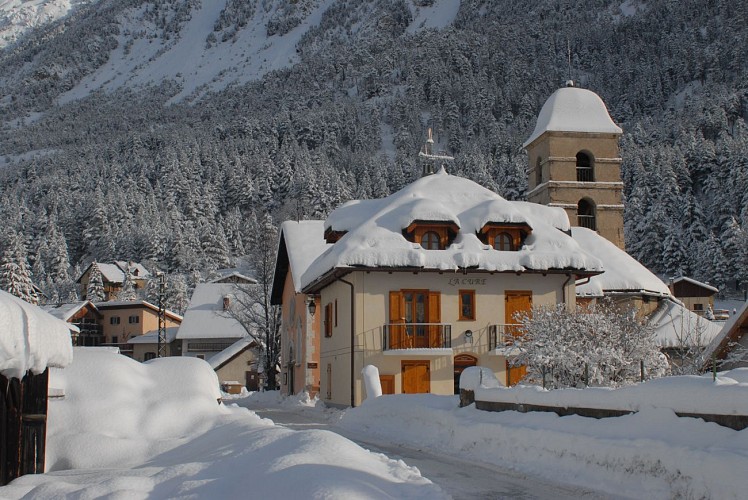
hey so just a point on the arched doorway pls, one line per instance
(462, 361)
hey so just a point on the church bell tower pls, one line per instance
(575, 162)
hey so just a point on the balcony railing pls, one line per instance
(585, 174)
(502, 335)
(587, 221)
(416, 336)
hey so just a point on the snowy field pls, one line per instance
(156, 430)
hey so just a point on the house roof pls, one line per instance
(115, 272)
(135, 304)
(67, 311)
(731, 332)
(234, 277)
(223, 357)
(151, 337)
(697, 283)
(676, 326)
(205, 317)
(374, 233)
(572, 109)
(299, 244)
(623, 273)
(30, 338)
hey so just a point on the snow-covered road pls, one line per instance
(460, 479)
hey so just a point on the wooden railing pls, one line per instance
(587, 221)
(416, 336)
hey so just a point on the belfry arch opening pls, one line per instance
(586, 214)
(585, 167)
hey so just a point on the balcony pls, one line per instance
(502, 335)
(416, 336)
(587, 221)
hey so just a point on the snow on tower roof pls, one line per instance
(623, 273)
(31, 339)
(374, 237)
(573, 109)
(205, 317)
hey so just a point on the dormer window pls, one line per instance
(503, 242)
(504, 236)
(431, 235)
(430, 241)
(332, 236)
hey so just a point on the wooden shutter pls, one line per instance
(396, 317)
(434, 316)
(328, 320)
(516, 302)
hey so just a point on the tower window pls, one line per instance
(586, 214)
(430, 241)
(585, 171)
(538, 172)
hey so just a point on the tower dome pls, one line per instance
(572, 109)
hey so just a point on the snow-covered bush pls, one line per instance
(599, 346)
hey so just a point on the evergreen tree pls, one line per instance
(128, 288)
(15, 275)
(95, 289)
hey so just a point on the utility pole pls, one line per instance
(161, 316)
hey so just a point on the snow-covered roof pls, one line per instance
(224, 356)
(205, 317)
(152, 336)
(304, 242)
(676, 326)
(31, 339)
(136, 269)
(730, 332)
(375, 238)
(115, 273)
(623, 273)
(572, 109)
(234, 277)
(67, 311)
(697, 283)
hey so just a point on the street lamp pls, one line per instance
(312, 305)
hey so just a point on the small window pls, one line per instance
(149, 356)
(698, 307)
(585, 172)
(503, 242)
(430, 241)
(133, 319)
(114, 320)
(586, 215)
(115, 339)
(328, 320)
(467, 304)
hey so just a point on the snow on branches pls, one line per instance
(600, 345)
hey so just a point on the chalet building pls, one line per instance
(31, 341)
(85, 317)
(697, 296)
(236, 366)
(123, 320)
(145, 347)
(300, 243)
(209, 328)
(113, 277)
(425, 283)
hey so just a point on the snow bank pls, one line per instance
(155, 430)
(651, 454)
(475, 377)
(728, 395)
(370, 374)
(30, 339)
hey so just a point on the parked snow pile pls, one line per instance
(474, 377)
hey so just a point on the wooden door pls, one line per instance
(461, 362)
(388, 384)
(516, 303)
(434, 316)
(514, 374)
(416, 377)
(252, 380)
(416, 314)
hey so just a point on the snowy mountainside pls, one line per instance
(19, 16)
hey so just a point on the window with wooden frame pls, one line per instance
(467, 305)
(431, 235)
(504, 236)
(328, 320)
(336, 312)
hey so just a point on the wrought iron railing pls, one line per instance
(584, 174)
(416, 335)
(587, 221)
(502, 335)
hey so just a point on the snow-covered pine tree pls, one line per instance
(95, 289)
(15, 275)
(128, 288)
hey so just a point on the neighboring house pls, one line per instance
(299, 244)
(730, 347)
(31, 341)
(85, 317)
(113, 277)
(145, 347)
(238, 363)
(208, 326)
(697, 296)
(428, 281)
(123, 320)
